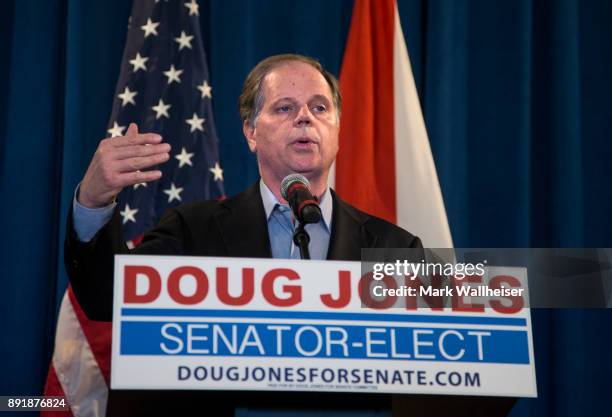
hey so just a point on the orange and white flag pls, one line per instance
(385, 166)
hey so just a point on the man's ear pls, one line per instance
(249, 134)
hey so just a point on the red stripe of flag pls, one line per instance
(98, 335)
(365, 166)
(53, 388)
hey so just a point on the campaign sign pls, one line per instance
(287, 325)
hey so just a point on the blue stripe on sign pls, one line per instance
(402, 318)
(331, 341)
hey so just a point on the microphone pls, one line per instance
(295, 188)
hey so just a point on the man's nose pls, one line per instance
(304, 117)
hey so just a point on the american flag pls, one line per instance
(163, 87)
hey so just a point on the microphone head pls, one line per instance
(290, 179)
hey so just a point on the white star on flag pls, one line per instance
(127, 97)
(116, 130)
(217, 172)
(174, 193)
(128, 214)
(161, 109)
(184, 41)
(184, 158)
(173, 74)
(139, 62)
(150, 28)
(193, 8)
(196, 123)
(205, 89)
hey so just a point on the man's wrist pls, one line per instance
(84, 201)
(87, 221)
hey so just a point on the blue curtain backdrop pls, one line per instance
(517, 98)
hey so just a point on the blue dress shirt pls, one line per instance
(281, 226)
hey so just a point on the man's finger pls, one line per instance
(125, 152)
(132, 130)
(139, 139)
(140, 163)
(136, 177)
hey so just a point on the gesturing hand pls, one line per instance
(119, 162)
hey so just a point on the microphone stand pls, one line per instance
(301, 240)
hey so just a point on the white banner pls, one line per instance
(272, 324)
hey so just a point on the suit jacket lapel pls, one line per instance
(349, 233)
(244, 226)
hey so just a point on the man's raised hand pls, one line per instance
(119, 162)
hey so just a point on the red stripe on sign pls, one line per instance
(365, 166)
(98, 334)
(53, 388)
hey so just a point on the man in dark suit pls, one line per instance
(290, 107)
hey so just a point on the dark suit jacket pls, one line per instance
(235, 227)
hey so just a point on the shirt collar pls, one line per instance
(270, 201)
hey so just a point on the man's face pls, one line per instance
(297, 128)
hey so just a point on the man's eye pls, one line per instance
(283, 109)
(320, 108)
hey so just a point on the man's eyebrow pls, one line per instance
(319, 97)
(292, 100)
(278, 100)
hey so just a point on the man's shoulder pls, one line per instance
(383, 227)
(204, 209)
(390, 234)
(200, 208)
